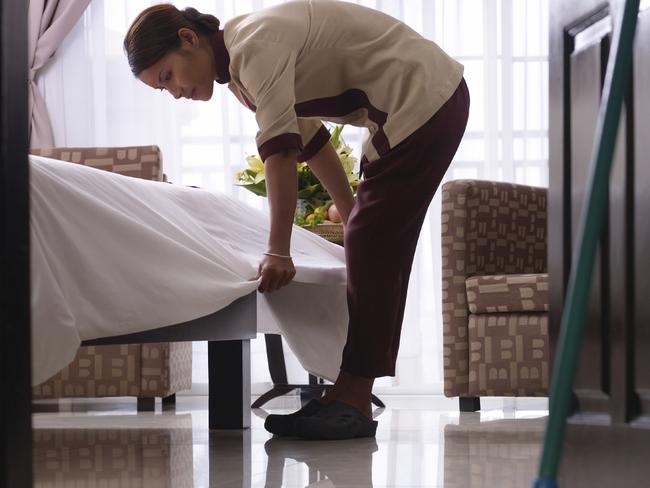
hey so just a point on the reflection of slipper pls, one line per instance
(336, 420)
(284, 424)
(317, 453)
(344, 463)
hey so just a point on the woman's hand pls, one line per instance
(275, 272)
(327, 167)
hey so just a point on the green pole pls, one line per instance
(616, 82)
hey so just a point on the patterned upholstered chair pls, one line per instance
(145, 371)
(494, 291)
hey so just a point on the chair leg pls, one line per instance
(312, 391)
(469, 404)
(377, 401)
(275, 358)
(276, 391)
(169, 401)
(146, 404)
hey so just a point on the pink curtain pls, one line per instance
(49, 21)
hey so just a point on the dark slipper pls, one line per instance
(334, 421)
(284, 424)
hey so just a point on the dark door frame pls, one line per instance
(606, 443)
(15, 344)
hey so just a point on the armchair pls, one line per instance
(494, 291)
(145, 371)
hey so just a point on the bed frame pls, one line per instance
(228, 332)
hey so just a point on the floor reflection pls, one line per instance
(107, 457)
(415, 446)
(342, 463)
(503, 453)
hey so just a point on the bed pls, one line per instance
(119, 260)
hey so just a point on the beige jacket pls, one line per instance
(305, 61)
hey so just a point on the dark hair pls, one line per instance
(154, 33)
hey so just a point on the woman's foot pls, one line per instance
(352, 390)
(335, 421)
(284, 425)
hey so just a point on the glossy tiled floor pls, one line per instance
(421, 442)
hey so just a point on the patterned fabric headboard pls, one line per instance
(487, 228)
(140, 161)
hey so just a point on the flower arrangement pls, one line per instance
(314, 203)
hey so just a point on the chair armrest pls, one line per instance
(488, 228)
(139, 161)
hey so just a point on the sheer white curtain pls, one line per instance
(93, 100)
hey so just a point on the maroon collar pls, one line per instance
(221, 57)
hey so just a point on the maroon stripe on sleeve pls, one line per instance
(280, 143)
(316, 143)
(343, 104)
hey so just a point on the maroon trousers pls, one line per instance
(382, 233)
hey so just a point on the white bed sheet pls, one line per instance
(113, 255)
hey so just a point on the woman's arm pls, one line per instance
(282, 193)
(327, 167)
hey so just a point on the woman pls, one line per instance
(294, 65)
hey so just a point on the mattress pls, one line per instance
(113, 255)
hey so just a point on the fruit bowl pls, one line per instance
(329, 231)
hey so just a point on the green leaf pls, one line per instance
(256, 188)
(307, 192)
(335, 138)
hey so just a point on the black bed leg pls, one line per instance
(229, 383)
(230, 459)
(469, 404)
(146, 404)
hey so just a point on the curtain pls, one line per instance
(49, 22)
(93, 100)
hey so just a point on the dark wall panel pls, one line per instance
(641, 200)
(15, 363)
(620, 298)
(586, 67)
(608, 438)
